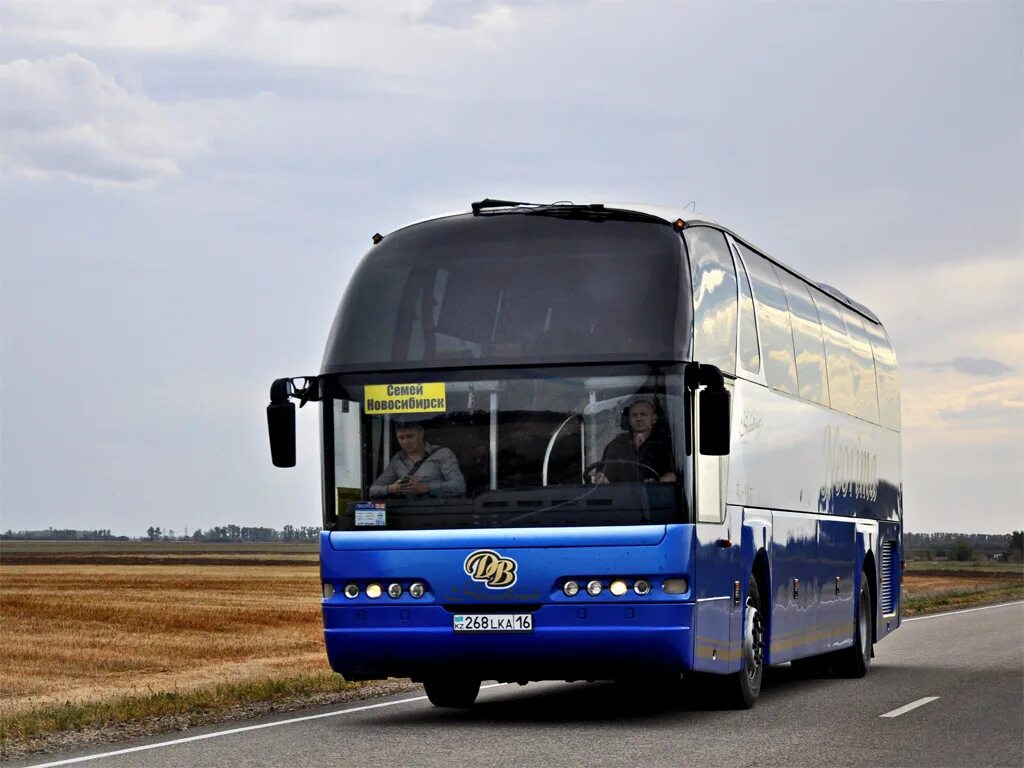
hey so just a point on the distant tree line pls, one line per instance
(63, 534)
(218, 533)
(965, 546)
(238, 533)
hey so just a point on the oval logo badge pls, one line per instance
(495, 571)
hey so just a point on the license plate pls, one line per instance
(493, 622)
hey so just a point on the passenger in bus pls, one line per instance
(419, 468)
(643, 452)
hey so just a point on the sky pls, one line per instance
(186, 187)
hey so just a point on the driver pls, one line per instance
(419, 468)
(642, 453)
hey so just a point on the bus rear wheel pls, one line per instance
(456, 693)
(741, 689)
(854, 661)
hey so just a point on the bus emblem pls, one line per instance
(495, 571)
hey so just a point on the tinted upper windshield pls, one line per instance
(514, 288)
(537, 449)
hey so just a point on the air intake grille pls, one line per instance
(888, 596)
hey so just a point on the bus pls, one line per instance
(599, 442)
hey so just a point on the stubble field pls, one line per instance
(94, 634)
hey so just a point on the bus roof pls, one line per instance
(668, 214)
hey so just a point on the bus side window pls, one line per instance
(838, 356)
(807, 340)
(773, 318)
(888, 380)
(714, 298)
(865, 388)
(749, 357)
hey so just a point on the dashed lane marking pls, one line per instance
(907, 707)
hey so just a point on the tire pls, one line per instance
(456, 693)
(742, 688)
(853, 662)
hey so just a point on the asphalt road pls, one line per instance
(965, 671)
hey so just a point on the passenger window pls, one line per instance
(886, 372)
(750, 358)
(837, 353)
(773, 320)
(807, 340)
(865, 388)
(714, 298)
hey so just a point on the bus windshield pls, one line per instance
(527, 448)
(514, 289)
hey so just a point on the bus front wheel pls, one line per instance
(742, 688)
(457, 693)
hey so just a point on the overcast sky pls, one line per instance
(185, 188)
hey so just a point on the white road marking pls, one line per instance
(965, 610)
(231, 731)
(907, 707)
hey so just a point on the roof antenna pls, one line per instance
(692, 205)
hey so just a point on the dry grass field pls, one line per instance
(76, 629)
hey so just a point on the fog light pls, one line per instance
(675, 586)
(594, 587)
(618, 588)
(351, 591)
(328, 589)
(394, 590)
(373, 591)
(417, 590)
(571, 588)
(642, 587)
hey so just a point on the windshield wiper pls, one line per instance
(567, 210)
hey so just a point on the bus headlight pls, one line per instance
(675, 586)
(328, 590)
(594, 588)
(571, 588)
(373, 591)
(416, 590)
(618, 588)
(351, 591)
(395, 590)
(642, 587)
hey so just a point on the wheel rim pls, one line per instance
(753, 640)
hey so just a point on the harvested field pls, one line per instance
(940, 586)
(80, 633)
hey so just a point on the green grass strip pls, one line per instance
(960, 598)
(192, 705)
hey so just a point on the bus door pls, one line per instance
(717, 566)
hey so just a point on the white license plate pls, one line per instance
(493, 622)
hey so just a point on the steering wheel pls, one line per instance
(655, 474)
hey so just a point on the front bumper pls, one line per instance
(568, 642)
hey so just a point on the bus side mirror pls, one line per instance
(715, 419)
(281, 424)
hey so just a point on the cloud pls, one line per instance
(972, 366)
(399, 36)
(62, 117)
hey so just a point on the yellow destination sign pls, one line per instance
(405, 398)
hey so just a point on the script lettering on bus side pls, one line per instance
(851, 472)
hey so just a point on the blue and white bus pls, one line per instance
(603, 441)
